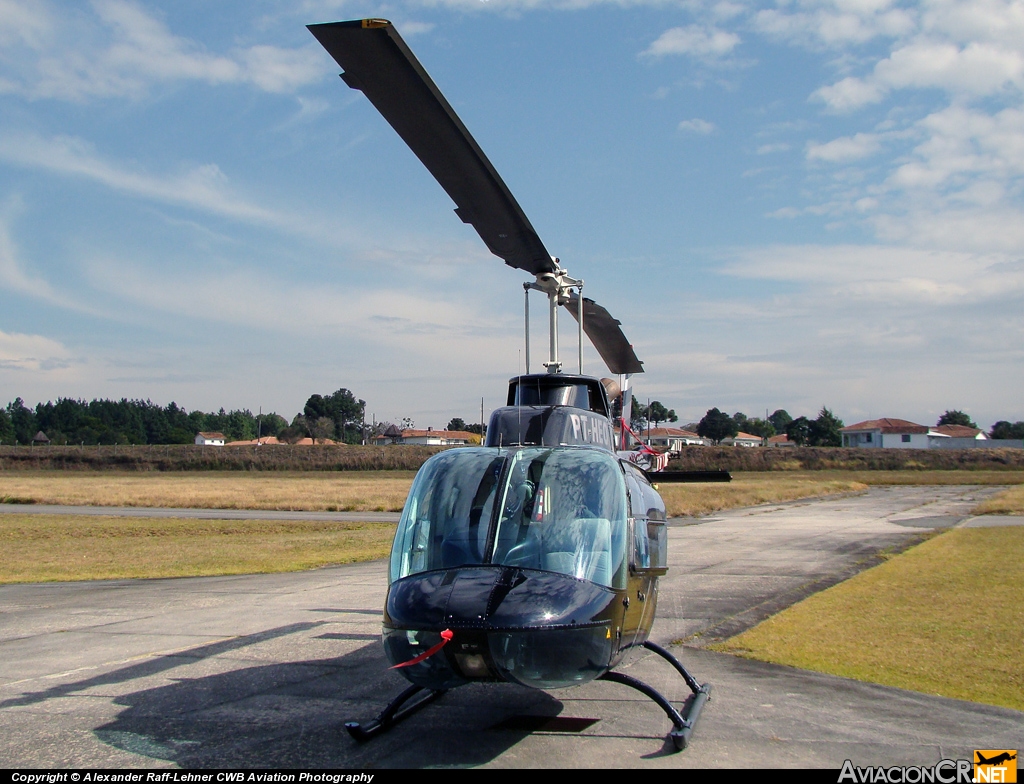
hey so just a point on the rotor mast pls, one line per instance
(556, 285)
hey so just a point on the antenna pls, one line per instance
(519, 404)
(580, 325)
(526, 295)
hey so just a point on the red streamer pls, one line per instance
(446, 635)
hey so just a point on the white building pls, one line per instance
(886, 433)
(428, 437)
(742, 439)
(958, 431)
(674, 439)
(210, 439)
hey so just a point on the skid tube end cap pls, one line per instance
(681, 735)
(358, 732)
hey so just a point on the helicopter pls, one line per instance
(534, 558)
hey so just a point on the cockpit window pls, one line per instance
(564, 510)
(561, 510)
(537, 394)
(447, 515)
(550, 391)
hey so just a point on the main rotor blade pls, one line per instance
(377, 61)
(606, 334)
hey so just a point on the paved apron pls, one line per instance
(263, 670)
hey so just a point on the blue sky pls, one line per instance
(788, 204)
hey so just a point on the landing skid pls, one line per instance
(683, 721)
(393, 713)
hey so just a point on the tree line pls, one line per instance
(337, 416)
(824, 430)
(340, 416)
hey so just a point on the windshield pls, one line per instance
(447, 515)
(561, 510)
(564, 510)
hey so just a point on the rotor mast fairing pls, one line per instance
(378, 62)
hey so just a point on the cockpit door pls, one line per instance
(647, 555)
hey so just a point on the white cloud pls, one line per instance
(966, 49)
(999, 21)
(410, 29)
(204, 187)
(768, 149)
(957, 188)
(419, 322)
(834, 24)
(983, 230)
(697, 125)
(278, 70)
(16, 278)
(969, 141)
(847, 148)
(977, 69)
(31, 352)
(121, 49)
(849, 94)
(13, 277)
(22, 23)
(700, 41)
(887, 275)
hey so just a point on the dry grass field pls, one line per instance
(363, 491)
(921, 477)
(945, 617)
(357, 491)
(338, 491)
(751, 489)
(41, 548)
(1010, 501)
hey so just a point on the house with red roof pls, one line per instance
(892, 433)
(743, 439)
(886, 433)
(959, 431)
(210, 439)
(428, 437)
(673, 438)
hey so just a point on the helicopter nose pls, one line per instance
(491, 597)
(535, 628)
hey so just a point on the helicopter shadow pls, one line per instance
(291, 715)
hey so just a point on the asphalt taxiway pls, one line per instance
(263, 670)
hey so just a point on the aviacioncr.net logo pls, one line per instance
(995, 766)
(945, 772)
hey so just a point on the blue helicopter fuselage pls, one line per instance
(540, 555)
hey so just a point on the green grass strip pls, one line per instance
(945, 617)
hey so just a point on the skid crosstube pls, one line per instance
(684, 721)
(393, 713)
